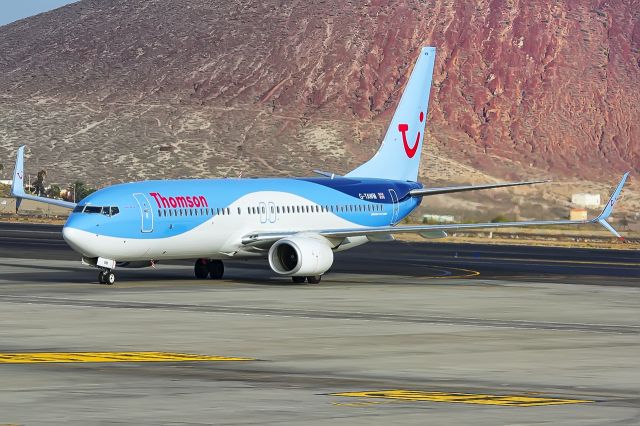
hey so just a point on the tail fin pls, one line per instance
(17, 185)
(399, 156)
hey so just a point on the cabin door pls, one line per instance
(145, 211)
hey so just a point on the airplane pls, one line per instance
(296, 223)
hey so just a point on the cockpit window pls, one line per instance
(107, 211)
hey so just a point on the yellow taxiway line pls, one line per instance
(466, 398)
(48, 357)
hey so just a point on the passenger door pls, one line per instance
(145, 211)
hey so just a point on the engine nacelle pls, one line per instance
(301, 256)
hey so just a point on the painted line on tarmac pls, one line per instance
(73, 357)
(577, 262)
(534, 261)
(464, 398)
(447, 272)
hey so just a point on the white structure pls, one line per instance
(438, 218)
(583, 199)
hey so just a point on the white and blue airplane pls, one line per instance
(296, 223)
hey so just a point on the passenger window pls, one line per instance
(239, 212)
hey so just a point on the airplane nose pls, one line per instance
(76, 240)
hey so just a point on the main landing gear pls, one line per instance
(315, 279)
(208, 268)
(106, 276)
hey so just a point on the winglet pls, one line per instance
(608, 209)
(17, 186)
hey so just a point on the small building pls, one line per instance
(578, 214)
(438, 218)
(583, 199)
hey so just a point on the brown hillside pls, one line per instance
(521, 89)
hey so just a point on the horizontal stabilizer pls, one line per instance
(325, 174)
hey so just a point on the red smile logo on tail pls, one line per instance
(403, 128)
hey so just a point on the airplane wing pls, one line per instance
(17, 187)
(423, 192)
(435, 229)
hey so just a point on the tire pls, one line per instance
(314, 279)
(298, 280)
(216, 269)
(201, 269)
(101, 279)
(109, 278)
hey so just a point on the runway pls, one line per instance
(430, 259)
(397, 333)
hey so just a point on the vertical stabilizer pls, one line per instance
(399, 155)
(17, 185)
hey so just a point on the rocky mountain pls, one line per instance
(110, 90)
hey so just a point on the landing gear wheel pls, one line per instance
(109, 277)
(101, 279)
(216, 269)
(298, 280)
(201, 270)
(314, 279)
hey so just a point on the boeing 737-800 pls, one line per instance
(296, 223)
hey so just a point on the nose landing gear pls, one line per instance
(106, 276)
(208, 268)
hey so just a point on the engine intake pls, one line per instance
(301, 256)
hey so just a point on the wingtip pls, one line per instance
(608, 209)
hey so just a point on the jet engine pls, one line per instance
(301, 256)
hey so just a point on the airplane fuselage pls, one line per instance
(178, 219)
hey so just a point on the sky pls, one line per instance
(12, 10)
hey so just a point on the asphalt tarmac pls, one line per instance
(396, 333)
(567, 265)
